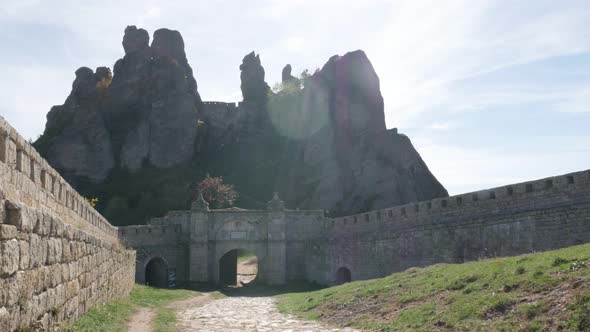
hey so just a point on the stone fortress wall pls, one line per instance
(532, 216)
(515, 219)
(222, 104)
(58, 256)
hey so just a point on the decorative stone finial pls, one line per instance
(200, 204)
(275, 204)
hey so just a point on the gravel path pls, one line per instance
(244, 314)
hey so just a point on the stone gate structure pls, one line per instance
(291, 244)
(192, 243)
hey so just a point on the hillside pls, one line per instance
(139, 138)
(547, 291)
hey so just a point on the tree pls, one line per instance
(216, 193)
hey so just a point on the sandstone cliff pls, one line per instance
(141, 138)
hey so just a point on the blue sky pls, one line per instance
(490, 92)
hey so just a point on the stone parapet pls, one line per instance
(27, 177)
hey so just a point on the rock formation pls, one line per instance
(147, 112)
(141, 139)
(286, 76)
(358, 164)
(254, 88)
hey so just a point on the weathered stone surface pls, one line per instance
(24, 255)
(286, 76)
(254, 87)
(135, 40)
(9, 257)
(18, 217)
(35, 256)
(7, 232)
(4, 319)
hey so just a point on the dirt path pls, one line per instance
(141, 321)
(244, 314)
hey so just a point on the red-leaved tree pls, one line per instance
(217, 193)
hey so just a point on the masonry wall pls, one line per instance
(302, 227)
(533, 216)
(165, 241)
(58, 256)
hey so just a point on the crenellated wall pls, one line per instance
(28, 178)
(58, 256)
(221, 104)
(532, 216)
(525, 217)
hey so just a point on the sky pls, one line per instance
(489, 92)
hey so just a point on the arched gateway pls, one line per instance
(199, 246)
(156, 273)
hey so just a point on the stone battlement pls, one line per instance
(35, 182)
(519, 192)
(58, 256)
(231, 106)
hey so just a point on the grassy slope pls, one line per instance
(541, 291)
(114, 316)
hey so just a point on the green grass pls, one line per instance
(244, 255)
(540, 291)
(115, 316)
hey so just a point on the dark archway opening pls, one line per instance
(343, 276)
(238, 268)
(156, 273)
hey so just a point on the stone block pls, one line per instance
(7, 232)
(68, 232)
(51, 251)
(43, 224)
(18, 216)
(2, 209)
(37, 251)
(57, 227)
(9, 291)
(26, 285)
(9, 257)
(4, 320)
(24, 248)
(66, 251)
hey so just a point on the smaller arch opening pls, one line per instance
(156, 273)
(343, 276)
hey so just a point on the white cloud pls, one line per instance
(578, 101)
(461, 169)
(25, 97)
(429, 46)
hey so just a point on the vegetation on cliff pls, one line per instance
(535, 292)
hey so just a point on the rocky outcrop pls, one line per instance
(145, 113)
(76, 140)
(141, 139)
(286, 77)
(326, 146)
(358, 164)
(254, 88)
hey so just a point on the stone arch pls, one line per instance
(343, 275)
(156, 272)
(228, 263)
